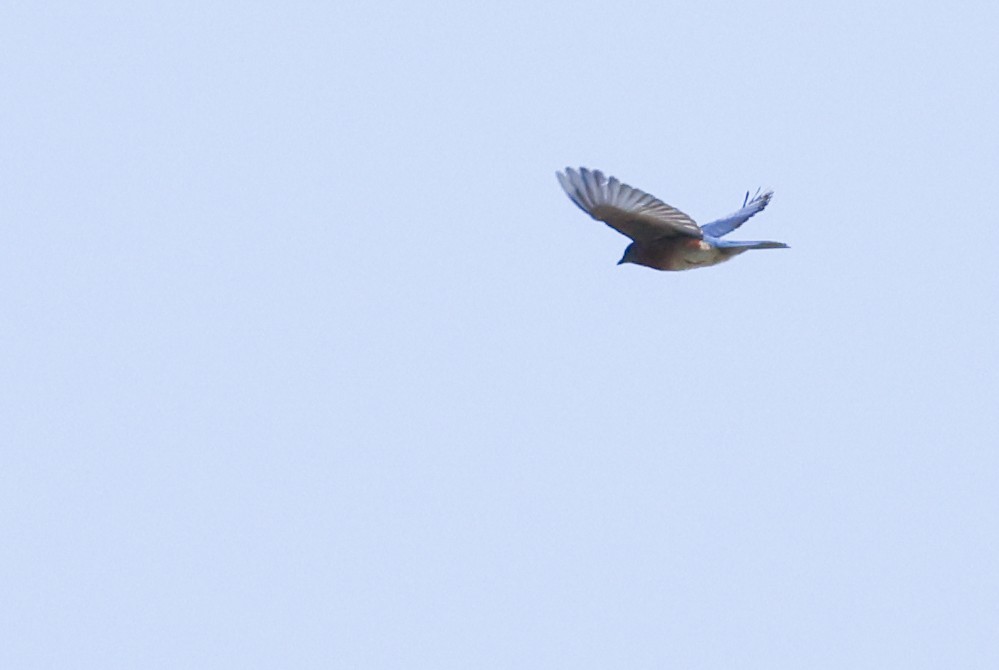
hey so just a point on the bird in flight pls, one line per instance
(663, 237)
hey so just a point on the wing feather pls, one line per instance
(627, 210)
(726, 225)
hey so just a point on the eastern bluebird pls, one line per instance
(664, 238)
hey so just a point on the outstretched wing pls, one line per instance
(736, 219)
(627, 210)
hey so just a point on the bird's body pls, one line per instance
(664, 238)
(679, 253)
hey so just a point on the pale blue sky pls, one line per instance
(309, 363)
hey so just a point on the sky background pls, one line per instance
(308, 362)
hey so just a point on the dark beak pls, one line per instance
(621, 262)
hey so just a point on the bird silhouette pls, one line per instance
(663, 237)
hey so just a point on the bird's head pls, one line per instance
(629, 255)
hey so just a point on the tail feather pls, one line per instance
(731, 244)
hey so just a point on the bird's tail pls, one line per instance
(731, 244)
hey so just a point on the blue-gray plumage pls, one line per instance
(664, 238)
